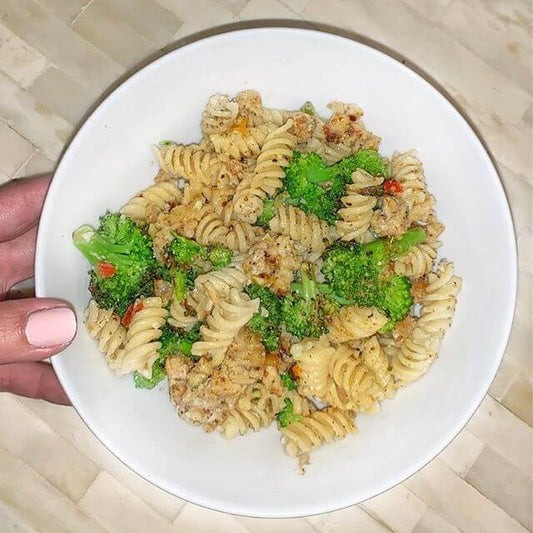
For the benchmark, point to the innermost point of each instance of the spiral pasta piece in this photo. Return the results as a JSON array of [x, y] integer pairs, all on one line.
[[415, 355], [438, 303], [223, 325], [254, 410], [355, 383], [407, 169], [146, 206], [418, 262], [316, 429], [191, 162], [104, 325], [266, 180], [303, 228], [356, 215], [237, 235], [140, 351], [178, 317], [352, 323], [313, 357], [220, 114], [215, 286], [237, 144], [266, 115]]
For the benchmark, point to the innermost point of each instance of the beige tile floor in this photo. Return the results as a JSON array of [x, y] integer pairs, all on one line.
[[56, 59]]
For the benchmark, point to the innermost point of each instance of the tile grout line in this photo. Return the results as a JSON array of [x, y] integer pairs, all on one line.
[[25, 408], [82, 10], [50, 486], [24, 164], [374, 516], [492, 503], [437, 25]]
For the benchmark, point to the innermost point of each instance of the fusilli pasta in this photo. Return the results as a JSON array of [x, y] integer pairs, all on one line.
[[222, 326], [303, 228], [104, 325], [140, 350], [358, 209], [407, 169], [352, 323], [220, 114], [190, 162], [153, 200], [262, 309], [316, 429]]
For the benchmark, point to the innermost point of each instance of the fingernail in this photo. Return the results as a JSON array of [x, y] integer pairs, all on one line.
[[51, 327]]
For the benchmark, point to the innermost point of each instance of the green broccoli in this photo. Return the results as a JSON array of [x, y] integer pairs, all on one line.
[[317, 188], [219, 256], [368, 160], [308, 108], [183, 280], [268, 213], [305, 309], [286, 416], [267, 321], [158, 374], [178, 341], [187, 252], [301, 311], [173, 342], [121, 254], [357, 274], [288, 382]]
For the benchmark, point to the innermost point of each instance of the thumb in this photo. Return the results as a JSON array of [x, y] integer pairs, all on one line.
[[34, 328]]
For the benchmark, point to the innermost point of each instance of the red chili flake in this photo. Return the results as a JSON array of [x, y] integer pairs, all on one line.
[[130, 311], [106, 270], [392, 187]]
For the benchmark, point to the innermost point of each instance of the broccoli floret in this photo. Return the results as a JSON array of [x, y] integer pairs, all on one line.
[[288, 382], [286, 416], [396, 300], [187, 252], [267, 321], [173, 342], [158, 374], [357, 274], [317, 188], [308, 108], [368, 160], [305, 309], [124, 266], [268, 213], [219, 256], [178, 341]]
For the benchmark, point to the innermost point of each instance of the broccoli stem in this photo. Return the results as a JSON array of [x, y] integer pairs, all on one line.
[[389, 249], [97, 248]]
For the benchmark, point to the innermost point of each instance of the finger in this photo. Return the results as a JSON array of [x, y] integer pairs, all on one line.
[[33, 380], [20, 206], [34, 329], [16, 260]]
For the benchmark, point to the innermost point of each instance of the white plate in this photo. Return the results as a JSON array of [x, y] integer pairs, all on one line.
[[111, 158]]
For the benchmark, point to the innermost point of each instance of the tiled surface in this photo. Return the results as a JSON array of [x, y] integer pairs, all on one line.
[[58, 56]]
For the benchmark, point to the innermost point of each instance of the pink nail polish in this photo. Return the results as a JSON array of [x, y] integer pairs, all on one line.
[[51, 327]]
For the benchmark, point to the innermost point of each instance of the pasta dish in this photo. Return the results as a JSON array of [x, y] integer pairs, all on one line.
[[279, 270]]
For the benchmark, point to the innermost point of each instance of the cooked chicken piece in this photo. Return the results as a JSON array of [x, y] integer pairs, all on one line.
[[392, 218], [271, 262], [203, 394]]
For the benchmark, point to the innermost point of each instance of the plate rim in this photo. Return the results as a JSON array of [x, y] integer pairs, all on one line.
[[355, 40]]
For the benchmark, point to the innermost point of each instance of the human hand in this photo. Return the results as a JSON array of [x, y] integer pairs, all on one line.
[[31, 329]]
